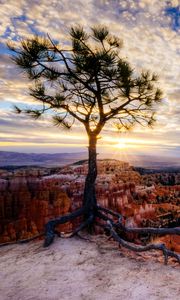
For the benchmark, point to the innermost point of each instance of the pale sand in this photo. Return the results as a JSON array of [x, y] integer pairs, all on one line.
[[74, 269]]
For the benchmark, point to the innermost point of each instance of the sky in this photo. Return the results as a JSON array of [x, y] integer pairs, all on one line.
[[150, 30]]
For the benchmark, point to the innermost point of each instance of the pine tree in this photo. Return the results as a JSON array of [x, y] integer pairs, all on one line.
[[87, 82]]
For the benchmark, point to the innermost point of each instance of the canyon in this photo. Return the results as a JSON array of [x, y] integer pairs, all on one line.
[[30, 197]]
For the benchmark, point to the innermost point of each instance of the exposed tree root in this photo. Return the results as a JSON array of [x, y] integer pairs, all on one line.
[[111, 226], [139, 248], [22, 241], [83, 225], [150, 230], [147, 230], [50, 226], [109, 211], [114, 227]]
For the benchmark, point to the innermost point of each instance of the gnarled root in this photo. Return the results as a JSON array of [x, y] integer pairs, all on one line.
[[147, 230], [50, 226], [139, 248], [23, 241], [114, 225], [83, 225]]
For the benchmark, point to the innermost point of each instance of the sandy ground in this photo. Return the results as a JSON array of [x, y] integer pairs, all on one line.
[[74, 269]]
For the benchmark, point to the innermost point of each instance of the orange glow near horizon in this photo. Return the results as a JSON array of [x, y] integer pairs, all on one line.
[[80, 141], [120, 145]]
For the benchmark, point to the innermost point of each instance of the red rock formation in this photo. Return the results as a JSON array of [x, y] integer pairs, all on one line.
[[27, 203]]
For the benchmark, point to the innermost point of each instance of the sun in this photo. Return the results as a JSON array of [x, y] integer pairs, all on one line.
[[122, 144]]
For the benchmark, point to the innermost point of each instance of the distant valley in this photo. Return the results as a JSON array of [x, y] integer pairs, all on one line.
[[39, 159], [60, 159]]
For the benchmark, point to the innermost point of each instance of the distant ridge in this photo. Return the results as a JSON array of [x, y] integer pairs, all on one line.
[[9, 158], [39, 159]]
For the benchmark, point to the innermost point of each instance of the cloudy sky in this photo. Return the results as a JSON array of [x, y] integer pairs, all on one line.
[[151, 33]]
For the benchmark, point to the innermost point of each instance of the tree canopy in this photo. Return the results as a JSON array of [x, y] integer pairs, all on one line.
[[87, 81]]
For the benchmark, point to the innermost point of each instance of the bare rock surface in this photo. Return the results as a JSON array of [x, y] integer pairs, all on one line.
[[76, 269]]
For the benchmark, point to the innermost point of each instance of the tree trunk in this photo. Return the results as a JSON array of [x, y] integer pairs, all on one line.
[[89, 199]]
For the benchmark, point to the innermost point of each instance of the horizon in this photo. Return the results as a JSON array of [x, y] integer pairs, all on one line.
[[157, 50], [46, 159]]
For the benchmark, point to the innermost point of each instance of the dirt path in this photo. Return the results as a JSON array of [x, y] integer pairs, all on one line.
[[74, 269]]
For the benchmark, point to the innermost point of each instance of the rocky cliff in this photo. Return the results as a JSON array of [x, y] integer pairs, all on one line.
[[28, 202]]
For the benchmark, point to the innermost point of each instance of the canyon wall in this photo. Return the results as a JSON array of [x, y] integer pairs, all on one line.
[[29, 201], [26, 204]]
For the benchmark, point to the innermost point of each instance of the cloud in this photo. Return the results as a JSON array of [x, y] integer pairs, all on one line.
[[149, 28]]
